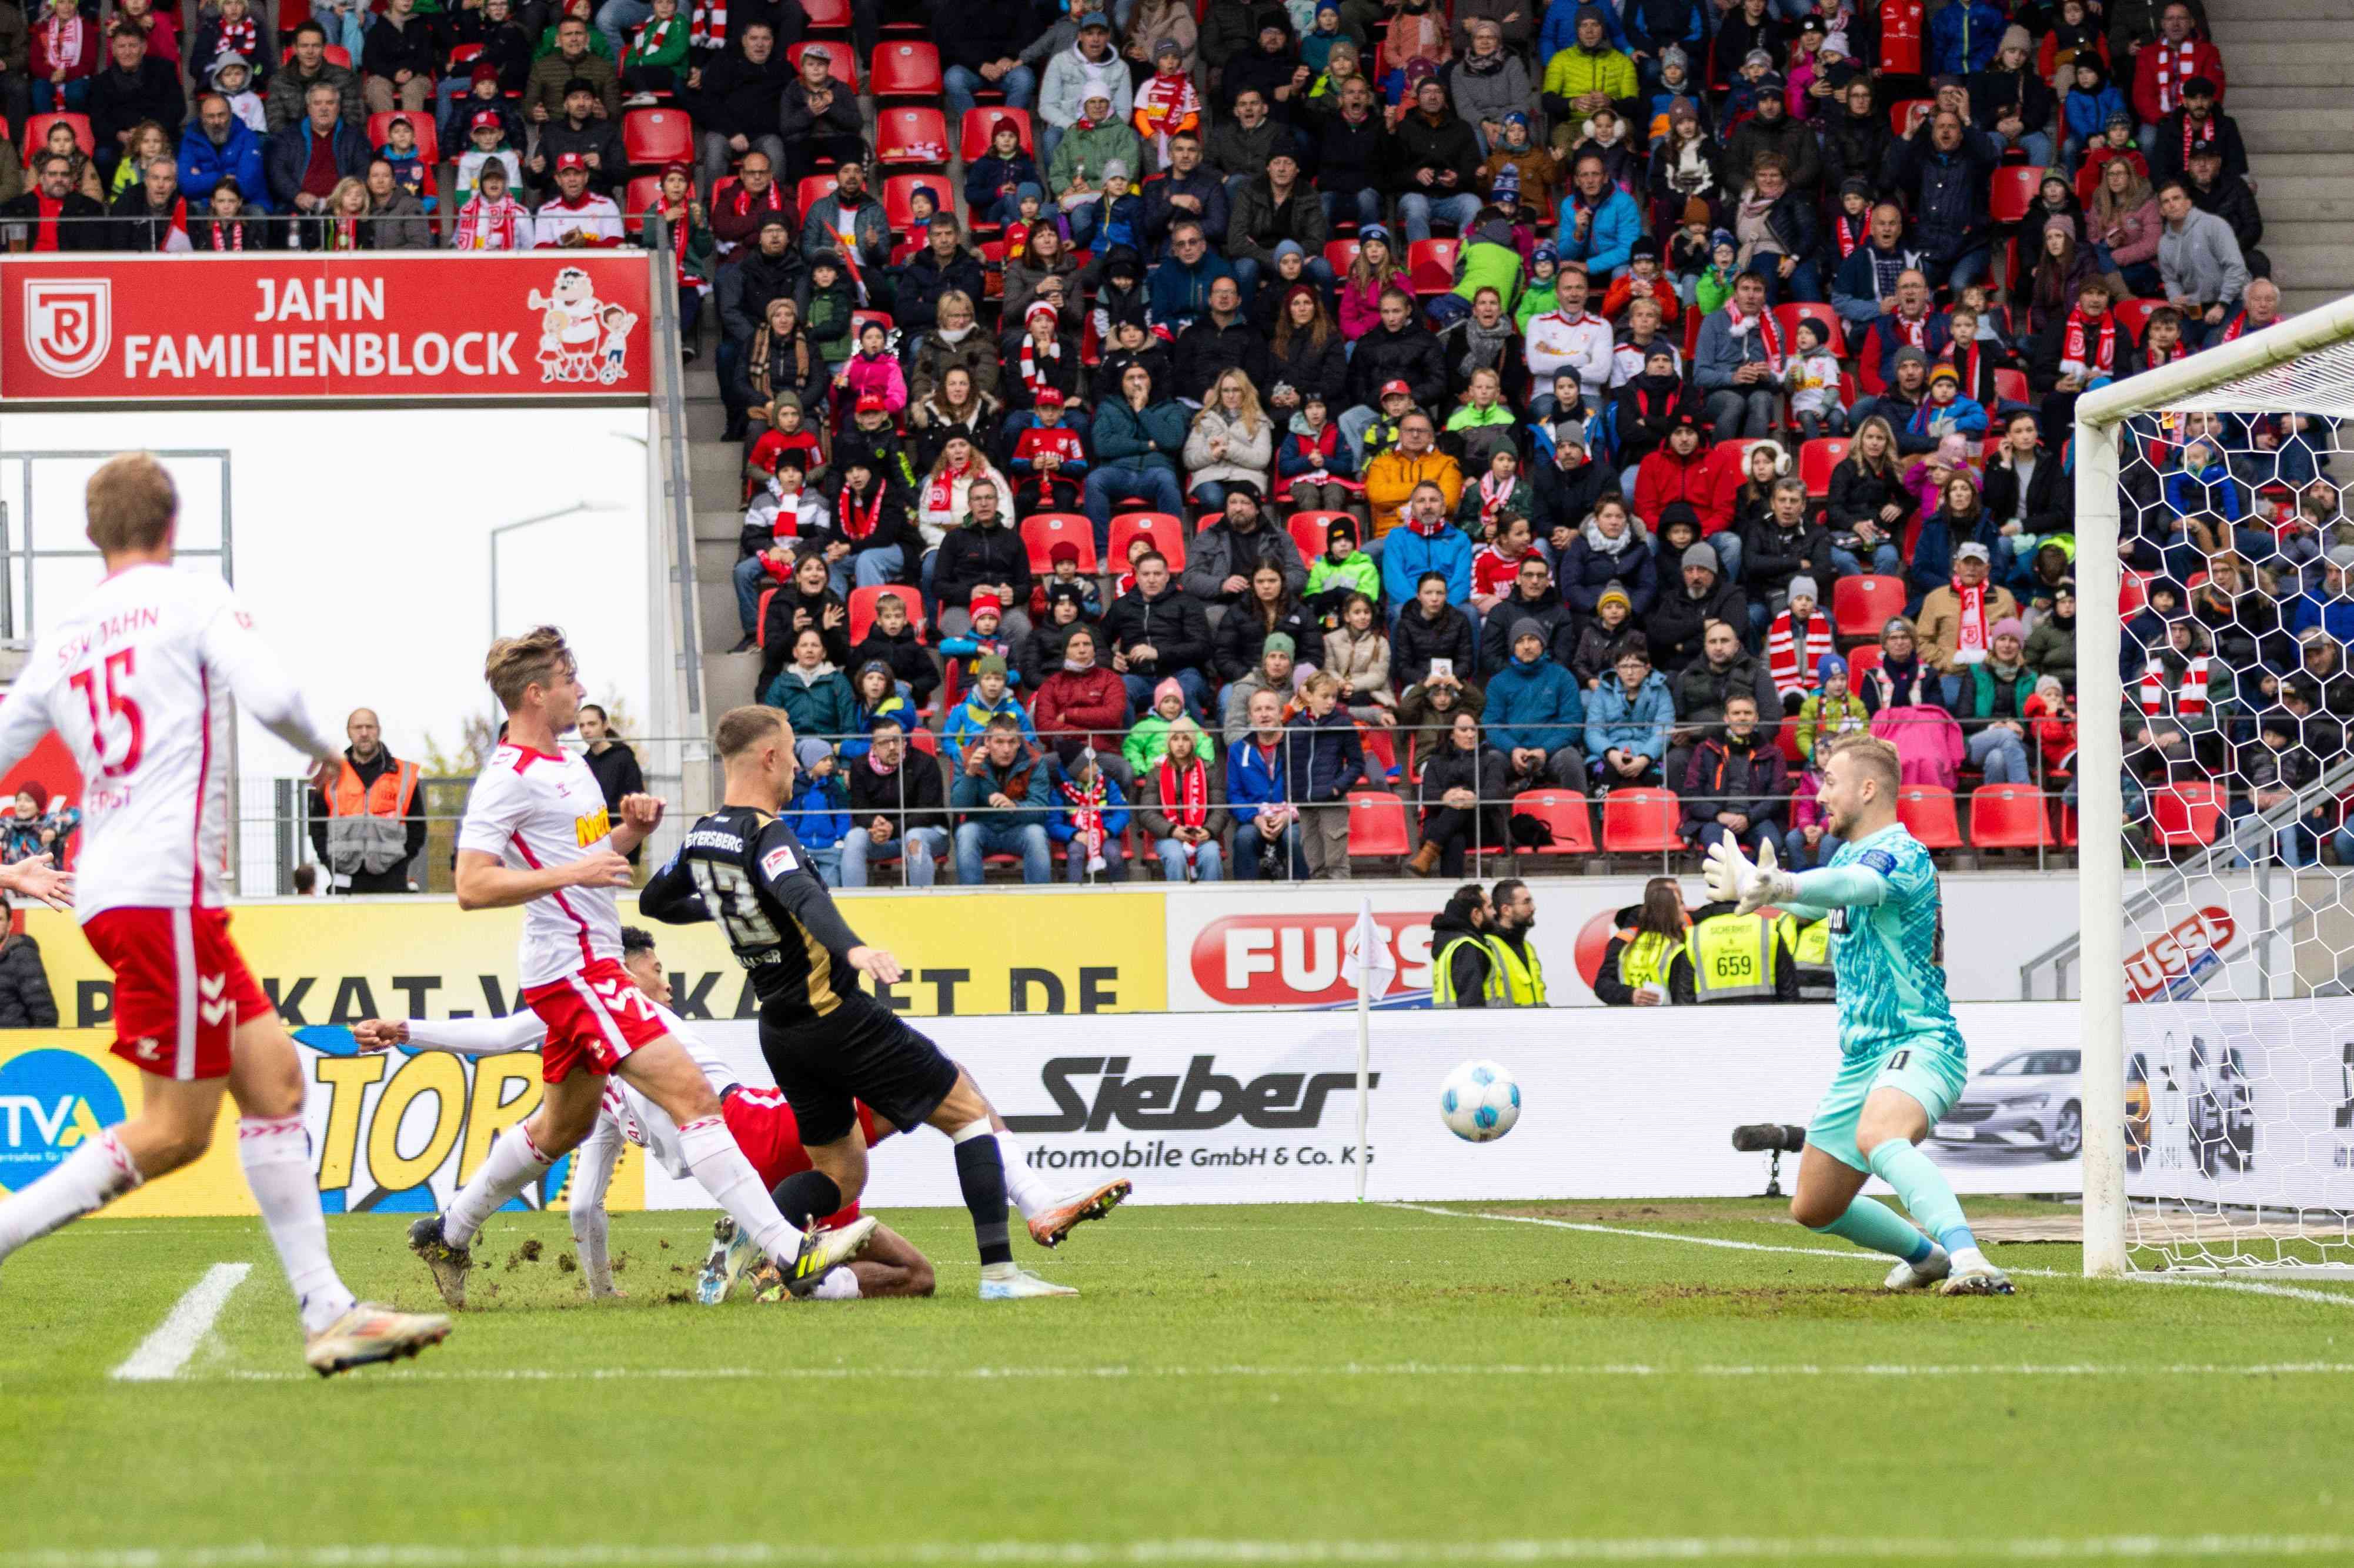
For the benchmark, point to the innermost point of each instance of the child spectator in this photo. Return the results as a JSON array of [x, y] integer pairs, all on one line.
[[1148, 740], [1062, 572], [1115, 218], [492, 219], [874, 699], [1813, 378], [1501, 493], [481, 95], [2051, 716], [828, 307], [1497, 564], [1757, 78], [409, 170], [2090, 104], [486, 135], [1604, 639], [1324, 760], [1166, 104], [993, 183], [1540, 298], [1358, 653], [1182, 811], [986, 698], [894, 640], [1049, 462], [1315, 461], [781, 414], [1641, 280], [1796, 643], [233, 78], [1482, 428], [819, 812], [1088, 816], [229, 29], [871, 376], [784, 520], [1341, 572], [1830, 710], [656, 60], [1809, 844]]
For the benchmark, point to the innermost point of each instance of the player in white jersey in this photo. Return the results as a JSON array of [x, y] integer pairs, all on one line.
[[138, 681], [538, 835]]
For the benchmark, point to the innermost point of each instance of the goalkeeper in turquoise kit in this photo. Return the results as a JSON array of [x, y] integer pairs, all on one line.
[[1902, 1064]]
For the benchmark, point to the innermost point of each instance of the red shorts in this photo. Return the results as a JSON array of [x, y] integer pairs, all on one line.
[[181, 988], [596, 1016], [771, 1139]]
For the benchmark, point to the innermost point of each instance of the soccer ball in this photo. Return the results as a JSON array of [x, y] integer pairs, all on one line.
[[1479, 1102]]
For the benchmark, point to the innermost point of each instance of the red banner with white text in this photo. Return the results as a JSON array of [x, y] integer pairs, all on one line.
[[378, 327]]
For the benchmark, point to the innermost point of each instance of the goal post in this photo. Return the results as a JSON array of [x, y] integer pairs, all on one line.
[[2302, 365]]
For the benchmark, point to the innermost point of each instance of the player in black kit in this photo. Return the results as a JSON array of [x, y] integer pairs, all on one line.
[[827, 1042]]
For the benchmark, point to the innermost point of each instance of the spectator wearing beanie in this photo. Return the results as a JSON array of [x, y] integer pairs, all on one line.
[[1277, 672], [819, 811], [1995, 692], [1832, 709], [1535, 715], [1796, 641], [1679, 621]]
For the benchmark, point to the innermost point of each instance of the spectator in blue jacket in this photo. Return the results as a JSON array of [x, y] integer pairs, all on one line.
[[1427, 543], [2088, 106], [819, 813], [1327, 760], [1611, 547], [1258, 793], [215, 144], [1942, 171], [1964, 36], [1179, 288], [1653, 26], [2331, 609], [1535, 717], [1628, 721], [1948, 410], [1600, 224], [286, 159]]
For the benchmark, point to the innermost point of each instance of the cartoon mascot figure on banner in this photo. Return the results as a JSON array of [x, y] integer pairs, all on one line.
[[580, 338]]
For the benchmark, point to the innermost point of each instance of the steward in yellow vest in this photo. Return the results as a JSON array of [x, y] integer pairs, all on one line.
[[1741, 957]]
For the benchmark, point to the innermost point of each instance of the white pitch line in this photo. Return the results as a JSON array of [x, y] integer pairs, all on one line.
[[1845, 1254], [1182, 1550], [2248, 1287], [163, 1353], [1595, 1370]]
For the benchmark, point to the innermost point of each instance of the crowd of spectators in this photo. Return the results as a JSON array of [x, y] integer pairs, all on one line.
[[1473, 403]]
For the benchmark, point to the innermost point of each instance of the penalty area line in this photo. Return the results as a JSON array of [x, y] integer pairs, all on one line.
[[163, 1353]]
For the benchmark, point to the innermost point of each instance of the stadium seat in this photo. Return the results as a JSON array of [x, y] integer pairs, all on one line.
[[429, 144], [37, 131], [1562, 810], [1926, 812], [652, 138], [1786, 741], [636, 197], [827, 15], [1312, 530], [2006, 816], [906, 68], [1906, 113], [842, 62], [813, 188], [906, 135], [1636, 822], [2133, 315], [1044, 530], [1377, 824], [1381, 751], [924, 741], [1732, 456], [1787, 316], [1166, 531], [1861, 605], [1340, 255], [2186, 813], [2133, 590], [899, 199], [861, 609], [1816, 459], [2010, 386], [993, 269], [973, 132], [2012, 193], [1430, 265], [1861, 660], [858, 320]]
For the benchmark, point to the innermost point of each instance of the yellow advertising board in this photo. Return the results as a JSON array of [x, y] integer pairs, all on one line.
[[336, 961]]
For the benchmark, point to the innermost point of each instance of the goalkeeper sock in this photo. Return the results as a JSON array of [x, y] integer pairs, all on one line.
[[1869, 1222], [1030, 1192], [1927, 1195]]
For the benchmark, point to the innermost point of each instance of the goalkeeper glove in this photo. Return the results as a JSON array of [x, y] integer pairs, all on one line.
[[1729, 877]]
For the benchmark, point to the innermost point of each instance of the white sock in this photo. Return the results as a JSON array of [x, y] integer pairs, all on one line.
[[1001, 1270], [1030, 1192], [838, 1285], [588, 1241], [276, 1154], [89, 1179], [711, 1153], [1969, 1258], [514, 1163]]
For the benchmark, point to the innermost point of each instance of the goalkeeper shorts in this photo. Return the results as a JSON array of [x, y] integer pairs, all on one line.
[[1931, 1073]]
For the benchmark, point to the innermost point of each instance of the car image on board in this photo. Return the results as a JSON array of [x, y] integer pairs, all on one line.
[[2030, 1100]]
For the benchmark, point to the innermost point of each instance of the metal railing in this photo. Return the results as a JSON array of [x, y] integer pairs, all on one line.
[[265, 232]]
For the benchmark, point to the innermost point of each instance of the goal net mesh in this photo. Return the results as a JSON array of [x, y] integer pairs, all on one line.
[[2238, 726]]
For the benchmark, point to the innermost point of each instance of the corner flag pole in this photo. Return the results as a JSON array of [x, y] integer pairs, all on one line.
[[1367, 961]]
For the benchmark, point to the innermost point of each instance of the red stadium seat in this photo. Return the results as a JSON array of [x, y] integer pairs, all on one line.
[[37, 131], [1636, 822], [2133, 590], [2186, 813], [1340, 255], [1040, 532], [1787, 316], [636, 197], [861, 609], [973, 133], [1926, 811], [2133, 315], [429, 144], [993, 269], [2010, 386], [2011, 193], [1861, 660], [1860, 606], [1816, 459], [813, 188], [899, 199], [1377, 824], [924, 741], [761, 620], [1312, 530], [842, 61], [1167, 533], [827, 15], [2006, 816], [1562, 810], [656, 137], [906, 135], [1430, 265], [1906, 113], [906, 68]]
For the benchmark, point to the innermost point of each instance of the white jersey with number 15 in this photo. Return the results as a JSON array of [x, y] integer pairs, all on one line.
[[137, 681]]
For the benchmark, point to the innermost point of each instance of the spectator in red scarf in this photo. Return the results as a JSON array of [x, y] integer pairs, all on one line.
[[1184, 809], [59, 217]]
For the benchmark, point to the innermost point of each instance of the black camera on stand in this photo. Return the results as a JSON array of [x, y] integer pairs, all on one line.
[[1774, 1139]]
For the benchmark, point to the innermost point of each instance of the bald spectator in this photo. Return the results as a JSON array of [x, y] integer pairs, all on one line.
[[368, 822]]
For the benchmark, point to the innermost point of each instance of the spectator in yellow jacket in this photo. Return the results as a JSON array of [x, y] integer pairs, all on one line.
[[1391, 478], [1589, 75]]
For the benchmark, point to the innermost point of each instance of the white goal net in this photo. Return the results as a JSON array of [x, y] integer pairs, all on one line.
[[2215, 562]]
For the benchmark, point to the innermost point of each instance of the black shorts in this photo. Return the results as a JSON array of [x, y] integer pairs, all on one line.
[[863, 1051]]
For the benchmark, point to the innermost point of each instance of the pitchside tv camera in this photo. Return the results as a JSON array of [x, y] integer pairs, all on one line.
[[1773, 1139]]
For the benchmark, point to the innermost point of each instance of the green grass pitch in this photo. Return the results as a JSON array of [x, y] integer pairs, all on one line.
[[1299, 1384]]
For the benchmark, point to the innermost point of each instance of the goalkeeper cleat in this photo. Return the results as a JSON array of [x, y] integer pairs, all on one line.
[[1049, 1228], [732, 1253], [822, 1251], [1979, 1279], [1020, 1286], [370, 1333], [449, 1264], [1921, 1275]]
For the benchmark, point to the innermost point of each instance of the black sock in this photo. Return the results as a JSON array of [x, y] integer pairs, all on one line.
[[981, 1173], [810, 1195]]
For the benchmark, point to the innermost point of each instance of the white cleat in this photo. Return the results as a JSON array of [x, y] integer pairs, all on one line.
[[732, 1253], [1920, 1275], [1981, 1279], [1020, 1286]]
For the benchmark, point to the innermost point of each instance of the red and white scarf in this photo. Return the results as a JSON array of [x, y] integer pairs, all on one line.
[[707, 27], [2102, 359], [1033, 376], [652, 37], [2196, 133], [1970, 641], [1914, 330], [2189, 696], [486, 225], [687, 277], [1492, 496], [940, 495], [62, 37], [45, 230], [1185, 798], [2177, 63], [1850, 232], [1768, 332], [859, 522], [243, 37], [1793, 668], [1088, 814], [228, 236]]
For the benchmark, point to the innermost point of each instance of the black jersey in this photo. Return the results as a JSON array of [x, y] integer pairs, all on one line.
[[746, 870]]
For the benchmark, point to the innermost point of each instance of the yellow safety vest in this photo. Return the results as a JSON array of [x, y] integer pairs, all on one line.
[[1646, 958], [1732, 957], [1813, 947], [1523, 978], [1442, 975]]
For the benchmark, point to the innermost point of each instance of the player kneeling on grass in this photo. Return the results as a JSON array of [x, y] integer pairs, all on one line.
[[1902, 1063], [828, 1043]]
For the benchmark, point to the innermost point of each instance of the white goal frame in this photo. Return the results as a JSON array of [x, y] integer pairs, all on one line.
[[2231, 377]]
